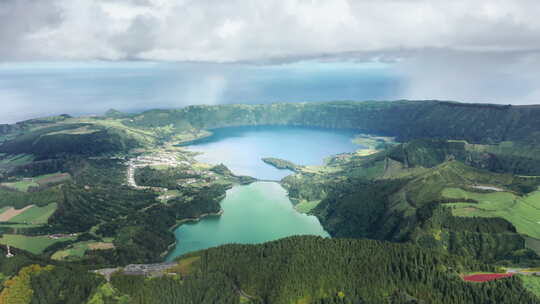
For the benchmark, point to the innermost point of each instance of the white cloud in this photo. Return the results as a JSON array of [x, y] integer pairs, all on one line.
[[239, 30], [230, 28], [482, 50], [503, 77]]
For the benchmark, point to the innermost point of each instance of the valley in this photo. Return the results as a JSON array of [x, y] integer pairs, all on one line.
[[436, 202]]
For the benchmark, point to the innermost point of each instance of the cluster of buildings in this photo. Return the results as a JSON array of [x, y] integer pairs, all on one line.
[[60, 236], [167, 160], [161, 159], [149, 270]]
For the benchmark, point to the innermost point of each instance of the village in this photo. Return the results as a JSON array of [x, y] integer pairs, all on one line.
[[164, 159]]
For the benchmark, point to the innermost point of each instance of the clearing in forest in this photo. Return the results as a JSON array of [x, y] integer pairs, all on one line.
[[33, 244], [38, 181], [35, 215], [78, 250], [10, 212], [522, 211], [484, 277]]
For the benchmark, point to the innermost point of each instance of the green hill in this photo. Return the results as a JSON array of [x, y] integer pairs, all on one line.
[[292, 270], [456, 194], [398, 195], [476, 123]]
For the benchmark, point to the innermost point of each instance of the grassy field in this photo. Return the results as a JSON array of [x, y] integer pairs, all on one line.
[[33, 244], [37, 181], [372, 142], [532, 283], [306, 206], [319, 169], [21, 185], [522, 211], [51, 178], [144, 136], [16, 160], [77, 131], [35, 215], [18, 225], [77, 250], [533, 244]]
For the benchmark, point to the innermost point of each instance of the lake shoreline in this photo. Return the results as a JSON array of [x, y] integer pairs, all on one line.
[[245, 151], [187, 220], [254, 213]]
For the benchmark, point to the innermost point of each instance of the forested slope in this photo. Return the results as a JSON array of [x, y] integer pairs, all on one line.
[[397, 195], [477, 123], [393, 195], [317, 270], [406, 120], [292, 270]]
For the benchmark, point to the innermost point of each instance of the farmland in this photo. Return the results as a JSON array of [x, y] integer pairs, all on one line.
[[7, 213], [22, 186], [35, 214], [305, 206], [484, 277], [77, 250], [15, 160], [532, 283], [33, 244], [43, 180], [51, 178], [522, 211]]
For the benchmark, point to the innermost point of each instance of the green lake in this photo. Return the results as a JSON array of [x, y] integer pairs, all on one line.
[[255, 213]]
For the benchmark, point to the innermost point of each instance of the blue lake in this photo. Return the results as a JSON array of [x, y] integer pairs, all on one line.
[[242, 148]]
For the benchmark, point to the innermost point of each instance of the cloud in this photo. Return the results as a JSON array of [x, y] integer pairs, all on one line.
[[482, 51], [236, 30], [28, 90], [19, 20], [485, 77]]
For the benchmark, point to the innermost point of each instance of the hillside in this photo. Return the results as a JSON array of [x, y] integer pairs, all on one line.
[[476, 123], [316, 270], [399, 194], [405, 120], [443, 189]]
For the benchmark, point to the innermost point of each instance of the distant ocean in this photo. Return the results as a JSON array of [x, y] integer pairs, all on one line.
[[33, 89]]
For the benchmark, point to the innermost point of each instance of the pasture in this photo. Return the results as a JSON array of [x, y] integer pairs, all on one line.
[[22, 186], [522, 211], [42, 180], [532, 283], [8, 213], [77, 250], [35, 215], [305, 206], [33, 244]]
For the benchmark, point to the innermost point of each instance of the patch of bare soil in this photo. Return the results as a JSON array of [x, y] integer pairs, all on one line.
[[101, 246], [12, 212]]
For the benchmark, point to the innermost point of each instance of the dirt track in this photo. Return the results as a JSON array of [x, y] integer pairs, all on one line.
[[12, 212]]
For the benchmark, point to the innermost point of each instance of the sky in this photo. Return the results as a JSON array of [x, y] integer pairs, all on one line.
[[85, 56]]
